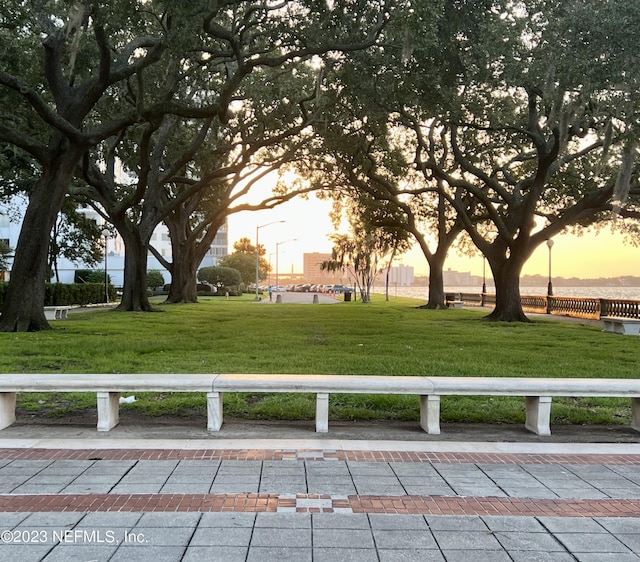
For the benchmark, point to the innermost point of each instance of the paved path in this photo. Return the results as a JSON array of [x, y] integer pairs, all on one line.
[[301, 298], [246, 500]]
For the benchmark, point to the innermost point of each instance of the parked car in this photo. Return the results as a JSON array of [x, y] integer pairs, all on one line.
[[339, 289]]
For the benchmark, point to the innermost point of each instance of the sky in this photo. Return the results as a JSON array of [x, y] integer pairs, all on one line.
[[307, 226]]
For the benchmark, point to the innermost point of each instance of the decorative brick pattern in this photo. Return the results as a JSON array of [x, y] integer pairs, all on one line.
[[314, 503], [282, 454]]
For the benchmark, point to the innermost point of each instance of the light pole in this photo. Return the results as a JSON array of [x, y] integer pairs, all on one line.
[[277, 246], [484, 281], [550, 284], [258, 254], [484, 275], [105, 233]]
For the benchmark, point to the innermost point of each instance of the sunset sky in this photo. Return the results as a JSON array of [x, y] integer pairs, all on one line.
[[591, 255]]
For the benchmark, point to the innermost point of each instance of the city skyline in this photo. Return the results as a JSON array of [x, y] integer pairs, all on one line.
[[307, 225]]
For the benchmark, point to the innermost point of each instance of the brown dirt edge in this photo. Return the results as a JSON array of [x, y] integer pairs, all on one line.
[[137, 425]]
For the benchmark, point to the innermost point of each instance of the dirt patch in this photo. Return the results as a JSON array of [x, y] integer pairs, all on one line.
[[136, 425]]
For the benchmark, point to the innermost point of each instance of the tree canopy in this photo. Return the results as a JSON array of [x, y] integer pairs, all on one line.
[[243, 259], [82, 81], [514, 121]]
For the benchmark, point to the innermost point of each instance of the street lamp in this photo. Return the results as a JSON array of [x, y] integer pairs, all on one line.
[[105, 233], [550, 285], [484, 281], [277, 246], [484, 275], [258, 254]]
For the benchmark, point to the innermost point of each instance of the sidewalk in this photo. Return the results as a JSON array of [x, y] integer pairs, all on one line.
[[321, 500]]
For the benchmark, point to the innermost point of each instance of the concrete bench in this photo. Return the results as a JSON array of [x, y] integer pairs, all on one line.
[[56, 312], [620, 325], [537, 392], [322, 386], [108, 388]]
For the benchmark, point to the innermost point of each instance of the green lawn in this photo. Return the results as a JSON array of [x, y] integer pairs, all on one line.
[[382, 338]]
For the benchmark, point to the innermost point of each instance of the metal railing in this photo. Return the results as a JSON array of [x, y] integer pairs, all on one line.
[[579, 307]]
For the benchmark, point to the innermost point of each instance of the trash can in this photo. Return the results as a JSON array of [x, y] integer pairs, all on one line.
[[347, 296]]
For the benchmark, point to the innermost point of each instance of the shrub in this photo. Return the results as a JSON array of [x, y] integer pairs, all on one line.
[[154, 279], [223, 278], [59, 294], [90, 276]]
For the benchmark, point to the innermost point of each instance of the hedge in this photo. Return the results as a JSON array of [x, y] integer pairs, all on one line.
[[58, 294]]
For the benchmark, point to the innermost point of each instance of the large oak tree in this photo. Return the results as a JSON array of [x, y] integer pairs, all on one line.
[[94, 85], [57, 62]]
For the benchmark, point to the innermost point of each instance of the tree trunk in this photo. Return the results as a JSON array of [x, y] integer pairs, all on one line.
[[183, 278], [23, 309], [508, 303], [437, 297], [187, 251], [134, 292]]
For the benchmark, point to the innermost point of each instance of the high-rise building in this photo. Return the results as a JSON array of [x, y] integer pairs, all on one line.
[[401, 275]]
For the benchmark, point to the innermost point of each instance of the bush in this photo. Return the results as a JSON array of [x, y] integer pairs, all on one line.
[[154, 279], [220, 276], [223, 278], [66, 294], [89, 276]]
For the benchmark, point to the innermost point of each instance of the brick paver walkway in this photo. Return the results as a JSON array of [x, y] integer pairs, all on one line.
[[307, 504]]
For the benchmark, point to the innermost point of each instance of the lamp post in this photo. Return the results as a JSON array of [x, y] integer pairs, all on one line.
[[484, 281], [550, 284], [105, 233], [277, 246], [258, 254], [484, 275]]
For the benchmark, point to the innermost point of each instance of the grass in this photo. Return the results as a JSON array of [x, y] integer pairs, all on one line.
[[382, 338]]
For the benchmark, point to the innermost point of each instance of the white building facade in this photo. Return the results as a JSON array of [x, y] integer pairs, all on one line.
[[114, 259]]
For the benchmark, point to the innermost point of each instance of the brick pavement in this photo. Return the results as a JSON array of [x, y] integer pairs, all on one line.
[[137, 503]]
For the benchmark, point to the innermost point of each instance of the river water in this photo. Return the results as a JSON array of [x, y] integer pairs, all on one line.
[[630, 293]]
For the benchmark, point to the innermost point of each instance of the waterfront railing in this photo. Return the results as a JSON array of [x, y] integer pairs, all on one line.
[[579, 307]]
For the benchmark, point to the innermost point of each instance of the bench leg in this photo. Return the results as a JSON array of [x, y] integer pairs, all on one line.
[[7, 409], [635, 414], [538, 411], [322, 412], [214, 411], [631, 330], [430, 414], [108, 410]]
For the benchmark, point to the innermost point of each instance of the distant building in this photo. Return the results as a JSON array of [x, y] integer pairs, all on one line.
[[401, 276], [457, 278], [314, 274]]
